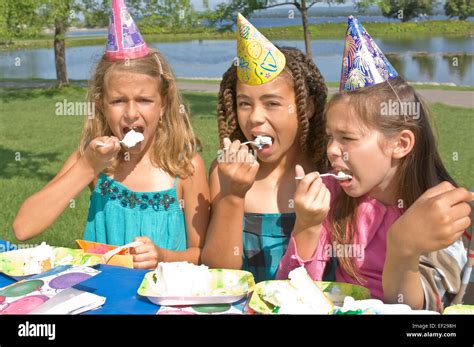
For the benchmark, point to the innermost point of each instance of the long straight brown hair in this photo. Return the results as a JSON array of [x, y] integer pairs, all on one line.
[[418, 171]]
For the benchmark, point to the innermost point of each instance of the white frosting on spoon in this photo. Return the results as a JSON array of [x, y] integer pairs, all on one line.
[[341, 176], [261, 141], [132, 138]]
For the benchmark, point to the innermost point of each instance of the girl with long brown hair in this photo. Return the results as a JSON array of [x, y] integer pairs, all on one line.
[[395, 226]]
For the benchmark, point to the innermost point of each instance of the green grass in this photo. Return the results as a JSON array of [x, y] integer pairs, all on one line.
[[30, 129], [455, 129], [47, 42], [295, 32], [407, 30], [203, 80], [420, 86]]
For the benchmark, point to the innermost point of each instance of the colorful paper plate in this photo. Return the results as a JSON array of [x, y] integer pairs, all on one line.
[[459, 309], [228, 286], [336, 291], [123, 258], [13, 263]]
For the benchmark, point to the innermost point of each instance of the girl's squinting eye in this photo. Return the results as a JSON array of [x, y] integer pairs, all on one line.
[[273, 104], [243, 104], [116, 101]]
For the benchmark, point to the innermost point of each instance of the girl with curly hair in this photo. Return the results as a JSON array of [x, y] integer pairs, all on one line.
[[278, 94]]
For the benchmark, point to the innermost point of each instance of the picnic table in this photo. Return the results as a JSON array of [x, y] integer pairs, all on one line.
[[119, 286]]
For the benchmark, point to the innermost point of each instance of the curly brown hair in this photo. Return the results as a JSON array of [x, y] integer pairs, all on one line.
[[310, 98]]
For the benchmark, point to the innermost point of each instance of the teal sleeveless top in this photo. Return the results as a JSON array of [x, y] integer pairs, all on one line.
[[117, 215], [265, 240]]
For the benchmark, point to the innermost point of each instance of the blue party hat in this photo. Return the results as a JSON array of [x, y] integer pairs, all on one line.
[[363, 63]]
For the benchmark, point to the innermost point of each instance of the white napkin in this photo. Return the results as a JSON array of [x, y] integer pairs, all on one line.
[[70, 301]]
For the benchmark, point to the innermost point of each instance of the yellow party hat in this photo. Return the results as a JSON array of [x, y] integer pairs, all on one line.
[[259, 60]]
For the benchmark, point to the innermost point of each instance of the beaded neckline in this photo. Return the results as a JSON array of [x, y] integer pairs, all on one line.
[[131, 199]]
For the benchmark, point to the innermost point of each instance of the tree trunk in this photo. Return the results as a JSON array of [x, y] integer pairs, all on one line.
[[60, 51], [307, 39]]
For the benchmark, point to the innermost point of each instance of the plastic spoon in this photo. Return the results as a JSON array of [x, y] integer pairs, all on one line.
[[130, 140], [260, 141], [341, 176]]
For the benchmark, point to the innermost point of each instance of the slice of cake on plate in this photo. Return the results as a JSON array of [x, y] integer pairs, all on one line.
[[299, 295], [38, 259], [181, 279]]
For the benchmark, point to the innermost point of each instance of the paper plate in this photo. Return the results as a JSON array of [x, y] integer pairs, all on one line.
[[336, 291], [228, 286], [13, 263], [123, 258], [459, 309]]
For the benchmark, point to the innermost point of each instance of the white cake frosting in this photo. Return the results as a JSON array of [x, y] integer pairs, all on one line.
[[38, 259], [375, 306], [261, 141], [132, 138], [182, 279], [342, 176], [300, 295]]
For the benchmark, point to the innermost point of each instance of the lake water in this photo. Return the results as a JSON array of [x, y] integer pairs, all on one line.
[[436, 59], [270, 22]]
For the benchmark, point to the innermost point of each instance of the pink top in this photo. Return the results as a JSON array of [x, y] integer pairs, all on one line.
[[373, 219]]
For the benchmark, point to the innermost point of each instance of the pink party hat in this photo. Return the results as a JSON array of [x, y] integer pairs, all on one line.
[[363, 63], [124, 40]]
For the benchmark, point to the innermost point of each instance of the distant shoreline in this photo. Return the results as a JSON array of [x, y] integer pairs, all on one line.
[[446, 28]]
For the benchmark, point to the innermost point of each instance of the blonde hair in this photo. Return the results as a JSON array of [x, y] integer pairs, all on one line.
[[418, 171], [174, 144]]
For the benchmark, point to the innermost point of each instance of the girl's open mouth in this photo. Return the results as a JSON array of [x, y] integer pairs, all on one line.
[[262, 142], [132, 136], [138, 129], [347, 182]]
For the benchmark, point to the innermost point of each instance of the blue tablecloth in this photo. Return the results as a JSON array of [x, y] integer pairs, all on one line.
[[5, 280], [119, 285], [6, 246]]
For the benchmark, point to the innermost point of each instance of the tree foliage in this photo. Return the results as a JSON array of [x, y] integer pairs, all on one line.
[[405, 10], [459, 8]]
